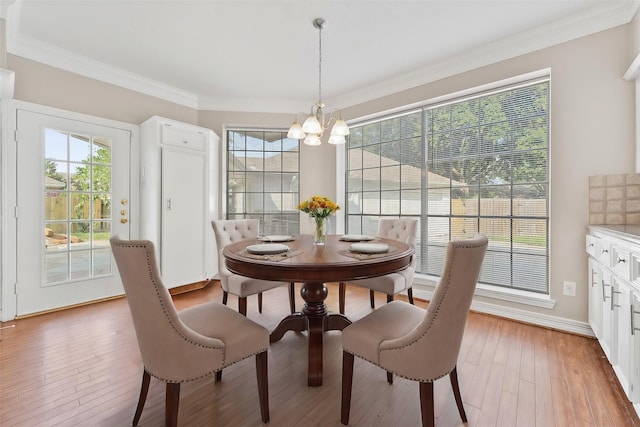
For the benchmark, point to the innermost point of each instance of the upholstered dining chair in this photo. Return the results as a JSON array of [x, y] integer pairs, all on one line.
[[417, 344], [404, 230], [233, 230], [178, 347]]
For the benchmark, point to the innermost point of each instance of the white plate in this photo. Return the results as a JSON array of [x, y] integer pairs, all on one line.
[[276, 238], [267, 249], [356, 238], [369, 248]]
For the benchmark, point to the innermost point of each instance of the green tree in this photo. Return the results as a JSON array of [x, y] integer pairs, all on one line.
[[51, 170], [93, 181]]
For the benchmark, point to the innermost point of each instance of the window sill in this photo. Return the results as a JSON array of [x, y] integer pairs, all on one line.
[[427, 283]]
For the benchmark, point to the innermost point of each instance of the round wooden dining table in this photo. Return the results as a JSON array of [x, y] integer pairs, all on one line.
[[313, 266]]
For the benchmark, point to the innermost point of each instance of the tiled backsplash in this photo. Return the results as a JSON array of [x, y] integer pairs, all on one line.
[[614, 199]]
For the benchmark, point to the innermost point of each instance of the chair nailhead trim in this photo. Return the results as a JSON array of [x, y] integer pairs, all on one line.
[[164, 309], [435, 316]]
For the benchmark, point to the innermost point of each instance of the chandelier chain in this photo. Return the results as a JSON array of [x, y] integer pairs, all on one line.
[[320, 66]]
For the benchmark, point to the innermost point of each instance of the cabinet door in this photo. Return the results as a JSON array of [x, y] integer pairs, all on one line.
[[184, 220], [621, 302], [607, 332], [634, 388], [595, 297]]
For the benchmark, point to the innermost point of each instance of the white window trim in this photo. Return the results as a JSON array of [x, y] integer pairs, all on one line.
[[425, 283]]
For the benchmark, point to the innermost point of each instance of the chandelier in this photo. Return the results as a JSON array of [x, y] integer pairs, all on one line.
[[314, 125]]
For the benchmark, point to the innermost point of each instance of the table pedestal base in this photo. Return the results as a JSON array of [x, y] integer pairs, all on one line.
[[316, 319]]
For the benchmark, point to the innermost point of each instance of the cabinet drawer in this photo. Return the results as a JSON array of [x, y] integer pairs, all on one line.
[[603, 252], [592, 243], [621, 262], [184, 138]]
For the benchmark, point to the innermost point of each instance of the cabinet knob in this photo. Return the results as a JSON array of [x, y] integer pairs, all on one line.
[[124, 220], [621, 260]]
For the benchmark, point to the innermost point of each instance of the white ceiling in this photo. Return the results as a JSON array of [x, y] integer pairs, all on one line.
[[262, 55]]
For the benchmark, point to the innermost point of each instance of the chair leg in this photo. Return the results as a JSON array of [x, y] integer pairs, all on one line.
[[342, 293], [372, 299], [263, 385], [242, 306], [347, 380], [426, 404], [292, 297], [453, 376], [389, 298], [389, 377], [218, 376], [144, 389], [259, 303], [410, 295], [225, 296], [172, 400]]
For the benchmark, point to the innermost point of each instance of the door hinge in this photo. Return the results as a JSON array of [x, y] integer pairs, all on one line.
[[15, 135], [15, 212]]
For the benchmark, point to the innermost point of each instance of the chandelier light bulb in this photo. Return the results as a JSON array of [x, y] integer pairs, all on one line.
[[295, 131], [312, 125], [337, 139], [340, 128], [312, 139]]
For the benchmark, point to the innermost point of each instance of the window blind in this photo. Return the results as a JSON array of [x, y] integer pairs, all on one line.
[[477, 164]]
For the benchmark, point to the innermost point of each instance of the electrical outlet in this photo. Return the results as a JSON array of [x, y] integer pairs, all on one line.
[[569, 288]]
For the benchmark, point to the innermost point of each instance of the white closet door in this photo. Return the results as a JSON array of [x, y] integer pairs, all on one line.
[[184, 218]]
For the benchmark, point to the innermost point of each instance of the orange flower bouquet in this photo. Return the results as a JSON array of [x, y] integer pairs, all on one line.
[[319, 208]]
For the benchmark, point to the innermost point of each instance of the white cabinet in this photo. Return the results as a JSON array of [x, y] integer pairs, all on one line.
[[614, 300], [179, 198]]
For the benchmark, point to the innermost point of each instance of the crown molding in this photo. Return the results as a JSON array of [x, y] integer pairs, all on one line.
[[607, 16], [554, 33], [65, 60]]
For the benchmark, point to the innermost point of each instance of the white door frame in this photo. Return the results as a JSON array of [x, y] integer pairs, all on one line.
[[8, 183]]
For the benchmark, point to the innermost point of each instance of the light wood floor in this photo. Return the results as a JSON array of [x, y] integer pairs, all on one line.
[[81, 367]]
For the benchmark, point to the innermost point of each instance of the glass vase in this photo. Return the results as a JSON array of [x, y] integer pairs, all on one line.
[[319, 231]]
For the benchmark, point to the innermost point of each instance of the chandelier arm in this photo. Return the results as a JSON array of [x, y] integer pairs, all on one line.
[[304, 115], [338, 114]]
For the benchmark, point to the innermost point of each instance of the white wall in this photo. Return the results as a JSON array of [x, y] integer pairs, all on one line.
[[592, 133]]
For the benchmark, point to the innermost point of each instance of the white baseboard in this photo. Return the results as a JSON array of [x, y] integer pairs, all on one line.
[[544, 320]]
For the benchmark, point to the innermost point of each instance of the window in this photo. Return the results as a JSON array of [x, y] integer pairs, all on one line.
[[478, 164], [77, 206], [263, 168]]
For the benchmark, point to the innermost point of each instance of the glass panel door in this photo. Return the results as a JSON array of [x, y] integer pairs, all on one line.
[[73, 194]]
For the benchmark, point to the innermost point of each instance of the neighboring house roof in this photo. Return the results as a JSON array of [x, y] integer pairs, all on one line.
[[53, 183], [410, 174]]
